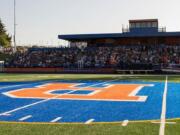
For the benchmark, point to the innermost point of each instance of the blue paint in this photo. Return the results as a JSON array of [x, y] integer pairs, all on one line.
[[79, 92], [83, 92], [60, 91], [173, 100], [101, 111]]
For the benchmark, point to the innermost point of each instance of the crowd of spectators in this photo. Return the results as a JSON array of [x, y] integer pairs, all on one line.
[[121, 57]]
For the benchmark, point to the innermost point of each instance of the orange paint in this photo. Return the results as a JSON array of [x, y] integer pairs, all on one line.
[[116, 92]]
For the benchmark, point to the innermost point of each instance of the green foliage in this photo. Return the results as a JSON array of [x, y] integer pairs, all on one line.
[[4, 56], [5, 39]]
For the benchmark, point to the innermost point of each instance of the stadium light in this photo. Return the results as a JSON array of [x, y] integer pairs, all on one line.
[[14, 26]]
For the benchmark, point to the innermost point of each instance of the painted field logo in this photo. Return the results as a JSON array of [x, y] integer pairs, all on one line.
[[111, 92]]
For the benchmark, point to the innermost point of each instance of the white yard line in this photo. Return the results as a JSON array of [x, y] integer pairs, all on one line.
[[163, 113], [56, 119], [25, 117], [45, 100], [89, 121], [22, 107], [11, 86]]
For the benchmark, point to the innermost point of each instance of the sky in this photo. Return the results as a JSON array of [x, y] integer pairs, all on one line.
[[41, 21]]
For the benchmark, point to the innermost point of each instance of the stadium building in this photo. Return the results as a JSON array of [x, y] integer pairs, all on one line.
[[144, 47], [140, 32]]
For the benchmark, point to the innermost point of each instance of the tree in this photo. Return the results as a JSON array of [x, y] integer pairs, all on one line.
[[5, 39]]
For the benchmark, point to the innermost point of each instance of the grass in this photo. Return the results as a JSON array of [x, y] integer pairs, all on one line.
[[173, 129], [133, 128], [38, 77], [80, 129]]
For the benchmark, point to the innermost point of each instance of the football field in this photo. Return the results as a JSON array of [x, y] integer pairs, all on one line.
[[89, 104]]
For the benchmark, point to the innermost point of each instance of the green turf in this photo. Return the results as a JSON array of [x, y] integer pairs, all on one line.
[[145, 128], [134, 128], [173, 129], [139, 128], [38, 77]]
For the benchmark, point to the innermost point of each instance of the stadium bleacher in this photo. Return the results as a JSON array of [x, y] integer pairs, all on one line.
[[129, 57]]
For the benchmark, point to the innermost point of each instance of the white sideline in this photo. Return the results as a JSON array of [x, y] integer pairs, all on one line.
[[163, 113], [45, 100], [25, 117], [11, 86], [165, 123]]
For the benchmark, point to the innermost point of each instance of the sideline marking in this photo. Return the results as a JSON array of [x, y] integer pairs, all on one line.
[[56, 119], [25, 117], [125, 123], [163, 113], [45, 100], [89, 121], [165, 122]]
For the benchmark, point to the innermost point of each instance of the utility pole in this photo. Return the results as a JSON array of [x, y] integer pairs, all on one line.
[[14, 26]]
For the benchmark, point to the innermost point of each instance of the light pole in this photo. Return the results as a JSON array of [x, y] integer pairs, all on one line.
[[14, 26]]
